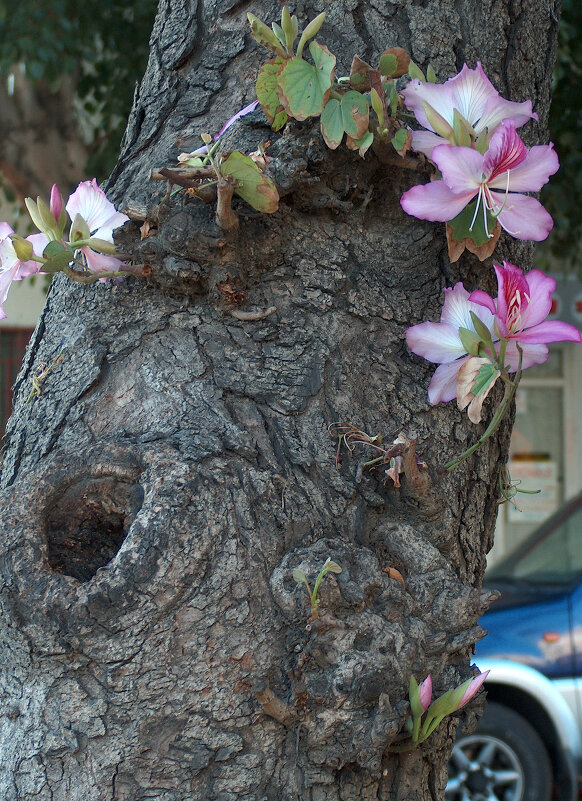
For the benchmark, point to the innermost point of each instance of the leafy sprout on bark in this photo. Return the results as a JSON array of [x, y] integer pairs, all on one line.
[[329, 566]]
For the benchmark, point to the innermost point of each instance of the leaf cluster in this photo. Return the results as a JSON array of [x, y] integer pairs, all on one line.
[[361, 106]]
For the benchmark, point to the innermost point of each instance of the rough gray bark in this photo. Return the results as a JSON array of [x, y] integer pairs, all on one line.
[[177, 465]]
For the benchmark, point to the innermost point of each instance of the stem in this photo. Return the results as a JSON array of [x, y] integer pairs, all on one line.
[[510, 389], [91, 278]]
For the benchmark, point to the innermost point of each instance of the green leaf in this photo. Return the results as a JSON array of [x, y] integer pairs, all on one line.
[[416, 72], [299, 576], [460, 225], [280, 120], [58, 257], [289, 29], [265, 36], [364, 143], [268, 93], [377, 105], [388, 64], [486, 376], [399, 139], [332, 124], [392, 95], [54, 249], [470, 341], [355, 113], [303, 88], [430, 74], [279, 33], [310, 31], [349, 114], [255, 188]]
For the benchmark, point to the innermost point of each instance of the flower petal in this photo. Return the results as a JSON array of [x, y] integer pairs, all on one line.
[[513, 294], [100, 262], [533, 172], [5, 230], [457, 309], [435, 342], [523, 217], [462, 167], [532, 354], [443, 385], [435, 201], [425, 141], [506, 152], [483, 299], [90, 201], [246, 110], [499, 109], [6, 279], [549, 331], [540, 289]]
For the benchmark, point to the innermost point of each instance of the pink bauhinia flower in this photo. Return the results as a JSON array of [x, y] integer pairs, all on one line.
[[472, 95], [89, 203], [522, 305], [12, 268], [496, 179], [441, 342]]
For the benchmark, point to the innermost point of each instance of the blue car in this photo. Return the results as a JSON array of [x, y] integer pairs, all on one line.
[[528, 744]]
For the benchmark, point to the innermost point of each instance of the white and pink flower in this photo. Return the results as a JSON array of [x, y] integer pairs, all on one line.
[[472, 95], [497, 179], [90, 203], [12, 268]]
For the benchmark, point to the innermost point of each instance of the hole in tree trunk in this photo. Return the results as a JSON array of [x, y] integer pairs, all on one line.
[[86, 525]]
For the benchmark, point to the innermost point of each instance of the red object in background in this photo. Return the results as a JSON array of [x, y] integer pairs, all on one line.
[[13, 342]]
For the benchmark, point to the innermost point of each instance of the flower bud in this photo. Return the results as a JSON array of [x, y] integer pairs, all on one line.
[[56, 203], [79, 230], [438, 123], [22, 247]]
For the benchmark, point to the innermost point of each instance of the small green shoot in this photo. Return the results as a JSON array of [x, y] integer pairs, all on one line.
[[300, 577]]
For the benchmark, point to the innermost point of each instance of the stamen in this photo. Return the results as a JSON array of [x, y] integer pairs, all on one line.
[[487, 234], [477, 207], [497, 213]]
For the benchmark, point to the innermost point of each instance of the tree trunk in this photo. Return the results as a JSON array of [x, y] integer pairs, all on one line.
[[177, 465]]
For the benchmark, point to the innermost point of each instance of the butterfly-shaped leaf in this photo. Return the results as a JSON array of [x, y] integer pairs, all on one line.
[[304, 88], [250, 183]]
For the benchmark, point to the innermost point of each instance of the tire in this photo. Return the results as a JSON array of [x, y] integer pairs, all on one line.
[[504, 760]]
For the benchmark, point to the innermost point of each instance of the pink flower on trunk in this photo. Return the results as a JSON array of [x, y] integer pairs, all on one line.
[[496, 179], [11, 267], [441, 342], [473, 95], [91, 204], [522, 305]]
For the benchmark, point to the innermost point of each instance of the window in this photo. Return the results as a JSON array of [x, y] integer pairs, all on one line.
[[13, 342]]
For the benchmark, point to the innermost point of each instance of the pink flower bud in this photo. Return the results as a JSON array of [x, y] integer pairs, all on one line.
[[56, 202], [426, 692], [473, 688]]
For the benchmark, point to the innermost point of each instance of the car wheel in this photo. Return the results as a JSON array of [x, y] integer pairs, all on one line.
[[504, 760]]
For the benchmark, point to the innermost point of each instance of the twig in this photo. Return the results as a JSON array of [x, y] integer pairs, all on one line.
[[250, 316]]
